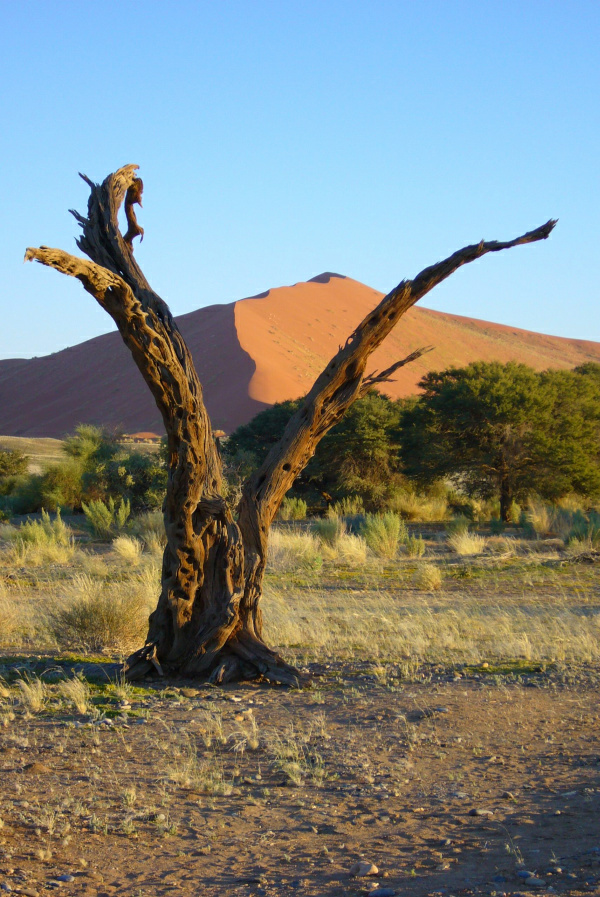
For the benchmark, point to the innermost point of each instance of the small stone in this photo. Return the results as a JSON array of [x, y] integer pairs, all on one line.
[[5, 886], [441, 710], [28, 892], [382, 892], [535, 882], [65, 877], [508, 795], [523, 873], [461, 795], [476, 811], [362, 869]]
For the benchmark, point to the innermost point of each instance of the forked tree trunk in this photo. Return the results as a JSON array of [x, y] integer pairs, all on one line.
[[208, 619]]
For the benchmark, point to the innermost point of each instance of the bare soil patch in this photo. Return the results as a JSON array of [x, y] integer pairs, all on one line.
[[456, 782]]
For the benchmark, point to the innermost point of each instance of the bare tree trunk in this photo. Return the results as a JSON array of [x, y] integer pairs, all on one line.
[[208, 620]]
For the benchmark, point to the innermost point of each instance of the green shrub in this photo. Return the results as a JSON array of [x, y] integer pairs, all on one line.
[[329, 529], [415, 546], [383, 533], [12, 463], [458, 525], [349, 506], [585, 529], [293, 509], [61, 486], [45, 531], [107, 519], [44, 541]]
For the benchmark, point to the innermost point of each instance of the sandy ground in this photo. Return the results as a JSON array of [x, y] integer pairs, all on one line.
[[459, 782]]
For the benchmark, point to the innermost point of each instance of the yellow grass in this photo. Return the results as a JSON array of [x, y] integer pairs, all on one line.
[[40, 451], [430, 627]]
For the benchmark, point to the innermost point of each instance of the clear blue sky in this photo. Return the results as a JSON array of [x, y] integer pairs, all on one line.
[[280, 139]]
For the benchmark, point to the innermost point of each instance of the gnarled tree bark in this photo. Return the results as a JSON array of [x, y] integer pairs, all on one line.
[[208, 619]]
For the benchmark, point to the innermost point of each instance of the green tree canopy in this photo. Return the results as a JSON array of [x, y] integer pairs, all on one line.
[[505, 430], [359, 456]]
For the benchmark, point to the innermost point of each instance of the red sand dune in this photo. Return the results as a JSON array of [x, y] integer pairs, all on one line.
[[252, 353]]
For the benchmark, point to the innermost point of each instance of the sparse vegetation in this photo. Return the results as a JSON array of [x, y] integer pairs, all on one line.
[[383, 533], [107, 519], [466, 543], [293, 509]]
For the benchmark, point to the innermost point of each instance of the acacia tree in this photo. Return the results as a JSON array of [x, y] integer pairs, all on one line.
[[507, 431], [208, 620]]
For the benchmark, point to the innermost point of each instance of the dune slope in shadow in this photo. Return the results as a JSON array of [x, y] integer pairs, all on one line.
[[252, 353]]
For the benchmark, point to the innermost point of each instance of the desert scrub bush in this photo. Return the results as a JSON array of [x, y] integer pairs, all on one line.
[[585, 529], [458, 524], [106, 519], [418, 507], [349, 506], [291, 550], [383, 533], [129, 549], [44, 541], [466, 543], [97, 616], [415, 546], [293, 509], [428, 577], [329, 529], [45, 531]]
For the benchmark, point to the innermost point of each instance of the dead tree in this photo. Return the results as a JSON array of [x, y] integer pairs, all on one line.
[[208, 620]]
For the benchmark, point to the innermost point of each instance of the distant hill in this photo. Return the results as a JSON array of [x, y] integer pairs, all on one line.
[[254, 352]]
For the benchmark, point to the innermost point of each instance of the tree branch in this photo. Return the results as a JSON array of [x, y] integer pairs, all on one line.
[[386, 376], [145, 322], [341, 383]]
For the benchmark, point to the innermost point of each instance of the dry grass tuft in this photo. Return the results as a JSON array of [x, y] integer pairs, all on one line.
[[10, 617], [129, 549], [76, 692], [348, 551], [466, 543], [32, 694], [291, 550], [428, 577], [97, 616]]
